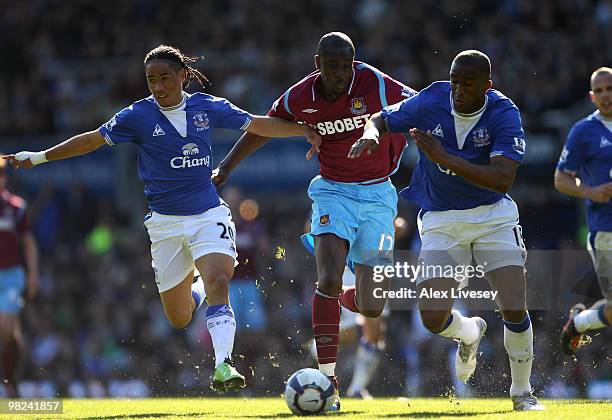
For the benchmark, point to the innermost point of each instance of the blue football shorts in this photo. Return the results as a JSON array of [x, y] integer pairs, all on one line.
[[361, 214], [12, 285]]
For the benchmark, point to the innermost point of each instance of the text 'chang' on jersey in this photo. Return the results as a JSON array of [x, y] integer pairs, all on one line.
[[341, 122], [495, 131], [174, 148]]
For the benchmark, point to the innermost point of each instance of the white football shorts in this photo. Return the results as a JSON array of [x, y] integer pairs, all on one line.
[[491, 234], [599, 245], [177, 241]]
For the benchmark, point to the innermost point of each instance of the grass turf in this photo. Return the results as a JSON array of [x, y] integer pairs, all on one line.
[[265, 408]]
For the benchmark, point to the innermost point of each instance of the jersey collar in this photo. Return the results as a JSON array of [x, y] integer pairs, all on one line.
[[180, 105], [602, 118], [314, 83]]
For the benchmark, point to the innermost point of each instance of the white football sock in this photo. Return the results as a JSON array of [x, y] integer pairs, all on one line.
[[366, 361], [198, 293], [328, 369], [222, 327], [519, 347], [588, 320], [461, 327]]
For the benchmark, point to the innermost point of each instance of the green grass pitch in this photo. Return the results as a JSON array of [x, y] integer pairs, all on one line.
[[266, 408]]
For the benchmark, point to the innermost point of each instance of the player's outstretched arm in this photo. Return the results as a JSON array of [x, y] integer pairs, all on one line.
[[569, 184], [498, 175], [246, 145], [75, 146], [374, 129], [278, 127]]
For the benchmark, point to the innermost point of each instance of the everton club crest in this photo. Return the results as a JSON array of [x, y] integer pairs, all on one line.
[[480, 137]]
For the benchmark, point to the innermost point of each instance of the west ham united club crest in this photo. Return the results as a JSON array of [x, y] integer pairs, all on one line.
[[200, 120], [358, 106], [481, 137]]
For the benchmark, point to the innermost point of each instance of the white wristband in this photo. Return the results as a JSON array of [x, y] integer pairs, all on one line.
[[35, 157]]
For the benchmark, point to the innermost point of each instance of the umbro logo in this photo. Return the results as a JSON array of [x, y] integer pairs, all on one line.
[[310, 110], [604, 142], [158, 131], [438, 131], [324, 340]]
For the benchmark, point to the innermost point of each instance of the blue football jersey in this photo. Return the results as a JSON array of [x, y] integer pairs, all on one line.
[[588, 153], [498, 132], [174, 148]]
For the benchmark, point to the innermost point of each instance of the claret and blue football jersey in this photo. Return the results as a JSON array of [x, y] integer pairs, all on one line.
[[495, 130], [174, 148], [588, 153]]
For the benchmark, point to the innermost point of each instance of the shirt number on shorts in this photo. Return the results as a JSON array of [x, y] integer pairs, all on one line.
[[518, 235], [226, 230]]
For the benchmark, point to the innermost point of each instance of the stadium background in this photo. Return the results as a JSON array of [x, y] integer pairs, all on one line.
[[97, 327]]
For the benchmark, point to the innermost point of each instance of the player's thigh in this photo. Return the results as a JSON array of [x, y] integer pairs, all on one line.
[[600, 247], [177, 302], [335, 209], [171, 258], [442, 256], [9, 326], [375, 237], [330, 255]]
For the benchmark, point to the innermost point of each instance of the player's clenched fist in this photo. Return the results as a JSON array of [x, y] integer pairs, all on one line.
[[25, 159]]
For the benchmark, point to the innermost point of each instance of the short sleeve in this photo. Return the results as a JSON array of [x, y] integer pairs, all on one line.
[[230, 116], [397, 91], [402, 116], [508, 136], [280, 108], [121, 128], [574, 152]]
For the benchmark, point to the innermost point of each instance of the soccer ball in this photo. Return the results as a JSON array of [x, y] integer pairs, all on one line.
[[308, 391]]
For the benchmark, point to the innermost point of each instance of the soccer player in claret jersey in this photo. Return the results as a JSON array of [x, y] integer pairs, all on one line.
[[470, 141], [190, 227], [16, 240], [587, 158], [354, 202]]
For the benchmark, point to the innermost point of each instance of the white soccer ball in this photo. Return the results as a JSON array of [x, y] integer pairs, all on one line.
[[308, 392]]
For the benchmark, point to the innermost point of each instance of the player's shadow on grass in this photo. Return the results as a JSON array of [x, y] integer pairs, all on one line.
[[426, 414], [147, 415], [286, 415]]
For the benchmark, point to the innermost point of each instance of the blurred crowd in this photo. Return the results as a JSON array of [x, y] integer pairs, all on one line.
[[97, 328], [87, 56]]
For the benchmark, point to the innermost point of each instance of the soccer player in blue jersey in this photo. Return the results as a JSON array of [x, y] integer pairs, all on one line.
[[190, 227], [470, 141], [585, 170]]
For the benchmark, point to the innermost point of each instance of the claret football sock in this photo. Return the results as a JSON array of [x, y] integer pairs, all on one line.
[[348, 299], [326, 327]]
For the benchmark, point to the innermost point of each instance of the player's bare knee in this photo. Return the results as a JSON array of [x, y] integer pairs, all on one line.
[[330, 285], [514, 316], [434, 320], [179, 320], [217, 285]]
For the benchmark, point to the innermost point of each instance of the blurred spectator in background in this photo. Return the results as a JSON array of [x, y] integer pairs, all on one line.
[[17, 249]]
